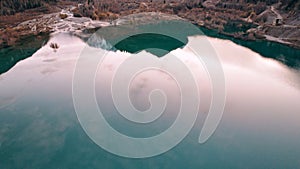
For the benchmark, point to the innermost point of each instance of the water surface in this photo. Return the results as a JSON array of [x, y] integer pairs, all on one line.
[[260, 127]]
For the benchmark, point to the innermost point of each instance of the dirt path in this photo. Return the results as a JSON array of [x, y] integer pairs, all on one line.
[[276, 12]]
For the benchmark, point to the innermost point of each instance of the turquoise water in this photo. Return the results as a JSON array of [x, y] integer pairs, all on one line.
[[283, 53], [39, 127], [150, 42], [13, 54]]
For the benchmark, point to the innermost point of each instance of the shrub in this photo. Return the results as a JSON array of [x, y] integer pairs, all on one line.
[[63, 16]]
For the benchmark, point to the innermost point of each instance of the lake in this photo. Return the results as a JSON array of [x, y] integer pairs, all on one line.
[[260, 126]]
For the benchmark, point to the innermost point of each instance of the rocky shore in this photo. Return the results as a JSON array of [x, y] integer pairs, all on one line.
[[248, 20]]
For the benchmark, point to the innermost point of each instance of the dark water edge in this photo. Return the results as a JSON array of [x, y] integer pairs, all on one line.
[[150, 41], [11, 55], [283, 53]]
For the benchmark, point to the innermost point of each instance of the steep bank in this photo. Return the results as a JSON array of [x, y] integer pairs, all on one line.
[[271, 20]]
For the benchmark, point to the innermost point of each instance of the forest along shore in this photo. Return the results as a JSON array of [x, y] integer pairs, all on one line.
[[248, 20]]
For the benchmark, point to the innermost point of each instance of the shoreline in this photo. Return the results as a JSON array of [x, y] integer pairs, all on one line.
[[14, 36], [276, 22], [44, 25], [28, 28], [284, 53]]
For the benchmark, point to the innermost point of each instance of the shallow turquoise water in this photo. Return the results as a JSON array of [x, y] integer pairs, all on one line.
[[280, 52]]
